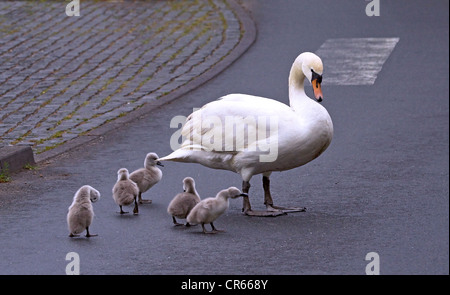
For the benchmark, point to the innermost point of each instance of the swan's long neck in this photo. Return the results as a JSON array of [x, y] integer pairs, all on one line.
[[296, 89]]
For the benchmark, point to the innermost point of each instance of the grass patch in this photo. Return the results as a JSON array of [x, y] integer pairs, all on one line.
[[28, 166], [4, 174]]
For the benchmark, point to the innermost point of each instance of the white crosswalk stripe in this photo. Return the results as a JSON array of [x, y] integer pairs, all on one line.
[[354, 61]]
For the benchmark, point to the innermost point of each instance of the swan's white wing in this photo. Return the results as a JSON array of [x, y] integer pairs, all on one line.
[[233, 124]]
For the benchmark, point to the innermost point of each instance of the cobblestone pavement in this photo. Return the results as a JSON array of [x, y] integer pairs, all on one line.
[[62, 76]]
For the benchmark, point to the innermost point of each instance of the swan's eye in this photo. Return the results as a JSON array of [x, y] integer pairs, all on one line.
[[316, 76]]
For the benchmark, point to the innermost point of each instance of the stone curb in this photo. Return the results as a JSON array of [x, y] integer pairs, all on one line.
[[14, 158], [249, 35]]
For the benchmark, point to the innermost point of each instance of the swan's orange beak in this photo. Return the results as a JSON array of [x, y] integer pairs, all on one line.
[[317, 90]]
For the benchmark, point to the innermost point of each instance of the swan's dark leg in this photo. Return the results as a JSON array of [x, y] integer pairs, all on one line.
[[269, 202], [247, 209], [246, 202], [267, 196]]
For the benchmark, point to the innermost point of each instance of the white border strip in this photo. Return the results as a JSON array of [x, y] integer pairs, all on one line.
[[354, 61]]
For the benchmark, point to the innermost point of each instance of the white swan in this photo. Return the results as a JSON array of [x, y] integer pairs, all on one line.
[[81, 212], [125, 191], [148, 176], [209, 209], [264, 135], [182, 203]]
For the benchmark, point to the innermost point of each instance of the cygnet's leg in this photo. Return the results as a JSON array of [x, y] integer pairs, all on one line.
[[121, 210], [175, 221], [142, 201], [73, 235], [136, 209], [88, 235], [215, 230], [269, 202], [247, 209], [203, 228]]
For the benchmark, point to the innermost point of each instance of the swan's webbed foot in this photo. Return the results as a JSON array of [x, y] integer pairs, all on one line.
[[247, 209], [267, 213], [73, 235], [286, 209], [272, 210]]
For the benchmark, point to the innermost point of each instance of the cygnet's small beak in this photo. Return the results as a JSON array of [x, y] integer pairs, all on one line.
[[159, 164]]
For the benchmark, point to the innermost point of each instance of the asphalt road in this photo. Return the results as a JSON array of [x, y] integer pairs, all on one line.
[[382, 186]]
